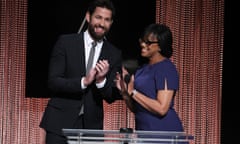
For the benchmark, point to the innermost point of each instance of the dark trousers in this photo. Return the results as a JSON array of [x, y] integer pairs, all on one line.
[[53, 138]]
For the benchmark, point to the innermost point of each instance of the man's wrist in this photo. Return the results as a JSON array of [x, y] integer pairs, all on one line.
[[83, 85], [100, 79], [101, 84]]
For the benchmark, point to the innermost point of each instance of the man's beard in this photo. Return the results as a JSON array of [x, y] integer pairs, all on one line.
[[94, 35]]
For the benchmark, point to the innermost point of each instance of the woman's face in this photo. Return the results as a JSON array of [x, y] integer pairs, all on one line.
[[149, 46]]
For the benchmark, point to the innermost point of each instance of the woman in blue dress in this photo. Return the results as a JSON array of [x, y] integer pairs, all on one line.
[[151, 90]]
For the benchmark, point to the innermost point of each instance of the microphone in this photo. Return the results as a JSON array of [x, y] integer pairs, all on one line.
[[131, 66], [127, 78]]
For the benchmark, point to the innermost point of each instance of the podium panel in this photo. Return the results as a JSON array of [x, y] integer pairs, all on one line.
[[90, 136]]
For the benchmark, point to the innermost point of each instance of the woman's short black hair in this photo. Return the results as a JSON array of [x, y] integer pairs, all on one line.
[[164, 37]]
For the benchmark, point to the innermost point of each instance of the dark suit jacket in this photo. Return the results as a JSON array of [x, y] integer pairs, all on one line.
[[67, 67]]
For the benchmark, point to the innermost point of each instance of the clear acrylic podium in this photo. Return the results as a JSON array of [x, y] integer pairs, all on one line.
[[90, 136]]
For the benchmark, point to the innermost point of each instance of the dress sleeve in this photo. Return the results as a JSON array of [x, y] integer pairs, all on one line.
[[169, 73]]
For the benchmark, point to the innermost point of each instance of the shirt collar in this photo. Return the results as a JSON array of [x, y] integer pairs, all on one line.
[[88, 39]]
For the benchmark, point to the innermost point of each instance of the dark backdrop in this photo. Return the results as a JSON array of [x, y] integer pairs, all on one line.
[[47, 19], [229, 121]]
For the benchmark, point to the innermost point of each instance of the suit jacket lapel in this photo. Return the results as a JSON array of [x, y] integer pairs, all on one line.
[[81, 53], [104, 54]]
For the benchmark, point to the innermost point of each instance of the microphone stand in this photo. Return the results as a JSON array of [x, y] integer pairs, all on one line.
[[131, 65], [126, 130], [127, 80], [81, 27]]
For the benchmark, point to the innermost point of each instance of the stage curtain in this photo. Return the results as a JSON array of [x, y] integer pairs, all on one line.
[[198, 54]]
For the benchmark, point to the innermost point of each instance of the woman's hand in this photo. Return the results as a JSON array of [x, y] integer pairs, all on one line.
[[131, 85], [120, 83]]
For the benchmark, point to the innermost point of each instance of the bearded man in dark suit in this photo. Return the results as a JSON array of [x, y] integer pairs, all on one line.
[[77, 95]]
